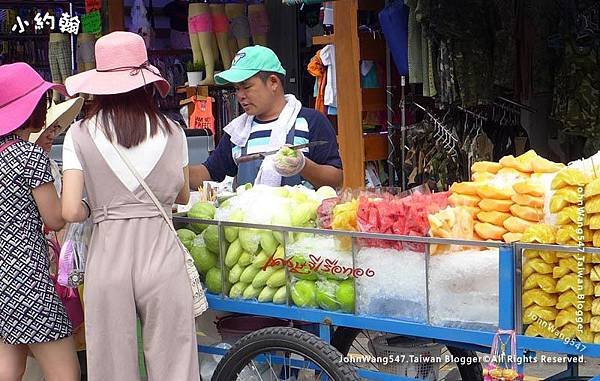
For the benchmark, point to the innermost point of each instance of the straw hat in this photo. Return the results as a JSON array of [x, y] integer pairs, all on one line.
[[121, 66], [63, 114]]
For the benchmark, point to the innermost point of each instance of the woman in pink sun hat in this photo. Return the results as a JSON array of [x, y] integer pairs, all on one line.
[[32, 316], [135, 267]]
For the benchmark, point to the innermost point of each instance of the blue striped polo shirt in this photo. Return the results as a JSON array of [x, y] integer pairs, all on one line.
[[311, 125]]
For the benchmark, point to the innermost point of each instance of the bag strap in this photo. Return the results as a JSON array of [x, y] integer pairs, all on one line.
[[8, 144], [145, 186]]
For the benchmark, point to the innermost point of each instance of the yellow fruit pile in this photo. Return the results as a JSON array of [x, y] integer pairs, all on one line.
[[505, 198], [452, 222], [554, 302]]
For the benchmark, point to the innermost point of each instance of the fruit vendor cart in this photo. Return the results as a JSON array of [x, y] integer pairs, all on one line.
[[452, 306]]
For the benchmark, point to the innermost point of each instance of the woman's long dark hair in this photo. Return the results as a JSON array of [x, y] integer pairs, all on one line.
[[124, 116]]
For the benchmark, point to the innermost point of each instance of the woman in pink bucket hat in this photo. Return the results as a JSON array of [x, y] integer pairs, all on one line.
[[32, 316], [135, 267]]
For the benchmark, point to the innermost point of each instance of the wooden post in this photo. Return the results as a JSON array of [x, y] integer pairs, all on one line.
[[116, 15], [349, 97]]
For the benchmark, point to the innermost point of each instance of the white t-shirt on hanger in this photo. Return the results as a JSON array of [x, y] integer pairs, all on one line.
[[328, 59], [144, 156]]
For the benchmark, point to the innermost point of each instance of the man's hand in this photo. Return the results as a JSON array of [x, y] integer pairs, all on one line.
[[46, 138], [289, 162]]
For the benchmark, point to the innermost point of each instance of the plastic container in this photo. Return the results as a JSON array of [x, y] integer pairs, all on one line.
[[234, 327]]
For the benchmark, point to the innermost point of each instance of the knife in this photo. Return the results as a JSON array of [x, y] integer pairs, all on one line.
[[262, 155]]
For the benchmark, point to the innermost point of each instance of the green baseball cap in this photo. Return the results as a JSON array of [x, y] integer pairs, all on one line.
[[248, 62]]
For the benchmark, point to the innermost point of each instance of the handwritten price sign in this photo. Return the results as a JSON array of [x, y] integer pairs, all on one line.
[[318, 264]]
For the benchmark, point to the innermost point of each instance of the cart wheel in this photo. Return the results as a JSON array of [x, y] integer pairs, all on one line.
[[343, 339], [285, 343]]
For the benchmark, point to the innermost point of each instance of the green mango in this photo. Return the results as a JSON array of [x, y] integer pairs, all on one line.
[[251, 292], [280, 296], [235, 273], [233, 253], [260, 280], [266, 295], [237, 290], [277, 279], [245, 259], [249, 273]]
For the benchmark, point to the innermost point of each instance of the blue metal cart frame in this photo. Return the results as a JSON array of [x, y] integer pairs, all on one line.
[[510, 311]]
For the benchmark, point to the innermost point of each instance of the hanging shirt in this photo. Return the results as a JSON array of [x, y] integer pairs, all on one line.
[[310, 126], [319, 71], [202, 117], [328, 59]]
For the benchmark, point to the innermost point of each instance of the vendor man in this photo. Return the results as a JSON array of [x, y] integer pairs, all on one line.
[[271, 120]]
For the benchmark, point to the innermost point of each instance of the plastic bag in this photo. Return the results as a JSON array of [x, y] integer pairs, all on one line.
[[530, 187], [491, 205], [536, 331], [73, 253], [527, 213], [596, 307], [494, 192], [592, 205], [513, 173], [512, 237], [542, 165], [539, 297], [463, 200], [549, 257], [544, 282], [587, 336], [569, 176], [557, 204], [486, 166], [592, 189], [567, 233], [494, 218], [572, 265], [539, 233], [570, 298], [569, 282], [570, 194], [528, 200], [594, 221], [569, 331], [482, 176], [517, 225], [536, 265], [520, 165], [569, 316], [595, 274], [466, 187], [544, 313], [488, 231], [572, 214], [595, 324]]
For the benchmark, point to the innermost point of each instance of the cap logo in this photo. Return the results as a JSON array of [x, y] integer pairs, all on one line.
[[237, 58]]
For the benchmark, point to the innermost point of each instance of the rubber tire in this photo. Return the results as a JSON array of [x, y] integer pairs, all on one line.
[[343, 337], [278, 338]]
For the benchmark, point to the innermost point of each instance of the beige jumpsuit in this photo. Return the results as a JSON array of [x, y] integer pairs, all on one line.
[[135, 268]]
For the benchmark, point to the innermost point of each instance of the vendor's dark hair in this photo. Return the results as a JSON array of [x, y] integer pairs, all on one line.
[[127, 114], [37, 119], [264, 75]]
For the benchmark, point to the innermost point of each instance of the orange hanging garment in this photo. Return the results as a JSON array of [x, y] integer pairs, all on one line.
[[202, 116], [318, 70]]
